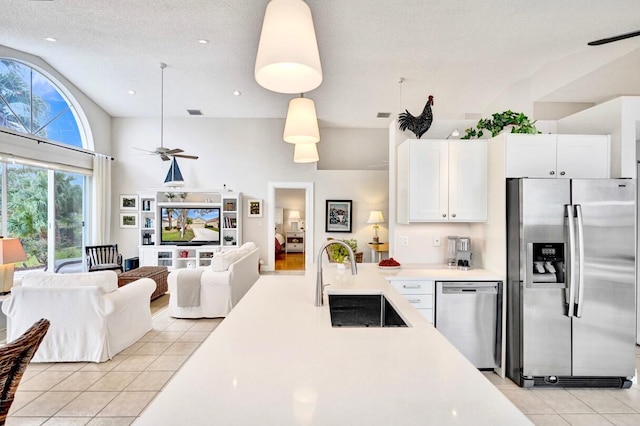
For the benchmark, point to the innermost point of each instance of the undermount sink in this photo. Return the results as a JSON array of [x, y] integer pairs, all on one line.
[[363, 310]]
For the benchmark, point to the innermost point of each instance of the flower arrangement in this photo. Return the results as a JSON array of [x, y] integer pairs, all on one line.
[[339, 253]]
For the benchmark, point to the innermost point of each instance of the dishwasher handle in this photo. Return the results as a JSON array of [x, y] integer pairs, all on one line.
[[475, 288]]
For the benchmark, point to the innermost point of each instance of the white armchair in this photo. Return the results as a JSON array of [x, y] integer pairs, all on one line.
[[91, 318], [212, 291]]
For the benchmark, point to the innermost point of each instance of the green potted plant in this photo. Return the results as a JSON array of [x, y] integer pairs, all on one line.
[[339, 253], [170, 196], [519, 123], [228, 240]]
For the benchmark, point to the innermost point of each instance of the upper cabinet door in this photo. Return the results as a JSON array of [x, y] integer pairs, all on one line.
[[428, 180], [532, 156], [468, 176], [583, 156]]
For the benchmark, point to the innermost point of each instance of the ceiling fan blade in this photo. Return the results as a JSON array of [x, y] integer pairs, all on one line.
[[191, 157], [145, 150], [174, 151], [614, 38]]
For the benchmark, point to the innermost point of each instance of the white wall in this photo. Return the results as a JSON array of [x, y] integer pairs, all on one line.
[[244, 154], [617, 118]]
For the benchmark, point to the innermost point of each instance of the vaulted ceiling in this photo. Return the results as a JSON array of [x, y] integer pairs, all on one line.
[[471, 56]]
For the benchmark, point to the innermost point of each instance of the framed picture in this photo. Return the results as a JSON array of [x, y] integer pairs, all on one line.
[[254, 208], [128, 220], [338, 216], [128, 202]]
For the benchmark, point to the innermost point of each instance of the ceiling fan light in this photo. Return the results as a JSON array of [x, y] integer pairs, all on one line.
[[305, 153], [288, 60], [301, 125]]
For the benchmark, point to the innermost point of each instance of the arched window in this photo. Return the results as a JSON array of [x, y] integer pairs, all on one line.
[[32, 104], [41, 203]]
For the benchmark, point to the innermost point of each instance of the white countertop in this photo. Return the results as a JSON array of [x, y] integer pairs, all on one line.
[[276, 360], [422, 271]]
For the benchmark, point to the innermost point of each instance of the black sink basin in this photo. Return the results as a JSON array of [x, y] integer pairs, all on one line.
[[363, 310]]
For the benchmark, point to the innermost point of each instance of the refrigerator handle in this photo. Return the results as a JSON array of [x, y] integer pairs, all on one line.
[[581, 260], [572, 261]]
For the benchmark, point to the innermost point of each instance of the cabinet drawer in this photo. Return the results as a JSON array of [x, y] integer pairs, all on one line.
[[292, 247], [427, 313], [413, 287], [420, 301]]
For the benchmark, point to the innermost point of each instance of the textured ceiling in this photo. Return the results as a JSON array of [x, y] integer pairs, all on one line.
[[470, 55]]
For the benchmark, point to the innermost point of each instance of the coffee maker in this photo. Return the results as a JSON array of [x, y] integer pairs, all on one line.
[[463, 253], [459, 252]]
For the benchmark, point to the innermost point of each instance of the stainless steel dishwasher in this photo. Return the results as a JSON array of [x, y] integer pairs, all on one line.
[[468, 314]]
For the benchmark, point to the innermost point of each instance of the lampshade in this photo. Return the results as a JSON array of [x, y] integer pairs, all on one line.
[[305, 153], [11, 251], [294, 215], [288, 60], [375, 217], [301, 125]]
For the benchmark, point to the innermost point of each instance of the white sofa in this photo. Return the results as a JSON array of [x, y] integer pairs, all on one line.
[[212, 291], [91, 318]]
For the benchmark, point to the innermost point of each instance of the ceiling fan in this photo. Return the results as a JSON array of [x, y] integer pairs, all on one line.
[[614, 38], [165, 153]]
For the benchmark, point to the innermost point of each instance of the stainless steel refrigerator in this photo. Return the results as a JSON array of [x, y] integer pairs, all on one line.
[[571, 273]]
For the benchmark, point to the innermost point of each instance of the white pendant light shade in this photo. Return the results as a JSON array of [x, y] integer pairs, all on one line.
[[305, 153], [288, 60], [301, 125]]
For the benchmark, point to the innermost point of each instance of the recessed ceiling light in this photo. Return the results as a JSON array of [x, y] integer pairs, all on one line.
[[194, 112], [237, 92], [131, 92], [203, 41], [50, 39], [383, 115]]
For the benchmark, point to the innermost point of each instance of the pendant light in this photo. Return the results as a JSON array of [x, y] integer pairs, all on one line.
[[305, 153], [288, 60], [301, 125]]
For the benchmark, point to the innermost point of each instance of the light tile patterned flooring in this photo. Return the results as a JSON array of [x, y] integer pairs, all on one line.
[[115, 392]]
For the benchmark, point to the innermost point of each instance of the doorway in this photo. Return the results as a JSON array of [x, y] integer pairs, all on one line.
[[290, 222]]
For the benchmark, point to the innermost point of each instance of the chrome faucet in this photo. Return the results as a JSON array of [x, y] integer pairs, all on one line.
[[319, 284]]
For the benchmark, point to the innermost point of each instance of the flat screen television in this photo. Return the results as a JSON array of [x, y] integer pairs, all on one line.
[[190, 226]]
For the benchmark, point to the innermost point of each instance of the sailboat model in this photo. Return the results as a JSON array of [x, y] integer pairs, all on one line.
[[174, 176]]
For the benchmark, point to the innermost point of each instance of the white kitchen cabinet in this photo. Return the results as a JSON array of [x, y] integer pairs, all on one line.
[[419, 294], [440, 180], [557, 156]]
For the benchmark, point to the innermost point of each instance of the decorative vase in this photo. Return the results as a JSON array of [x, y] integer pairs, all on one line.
[[340, 265]]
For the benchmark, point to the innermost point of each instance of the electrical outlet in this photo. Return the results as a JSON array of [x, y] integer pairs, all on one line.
[[436, 241], [403, 240]]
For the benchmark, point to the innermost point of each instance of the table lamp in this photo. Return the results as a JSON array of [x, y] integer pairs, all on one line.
[[11, 251], [375, 217], [294, 217]]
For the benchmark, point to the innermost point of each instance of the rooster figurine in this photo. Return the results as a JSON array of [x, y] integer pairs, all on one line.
[[420, 124]]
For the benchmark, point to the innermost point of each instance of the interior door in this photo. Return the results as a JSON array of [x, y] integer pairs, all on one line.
[[604, 331]]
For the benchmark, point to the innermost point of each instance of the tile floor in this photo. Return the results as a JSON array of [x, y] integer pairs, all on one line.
[[575, 407], [115, 392]]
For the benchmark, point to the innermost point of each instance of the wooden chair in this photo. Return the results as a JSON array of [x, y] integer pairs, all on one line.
[[14, 359], [104, 258]]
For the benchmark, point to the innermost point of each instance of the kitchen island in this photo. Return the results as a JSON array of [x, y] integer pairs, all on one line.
[[276, 360]]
